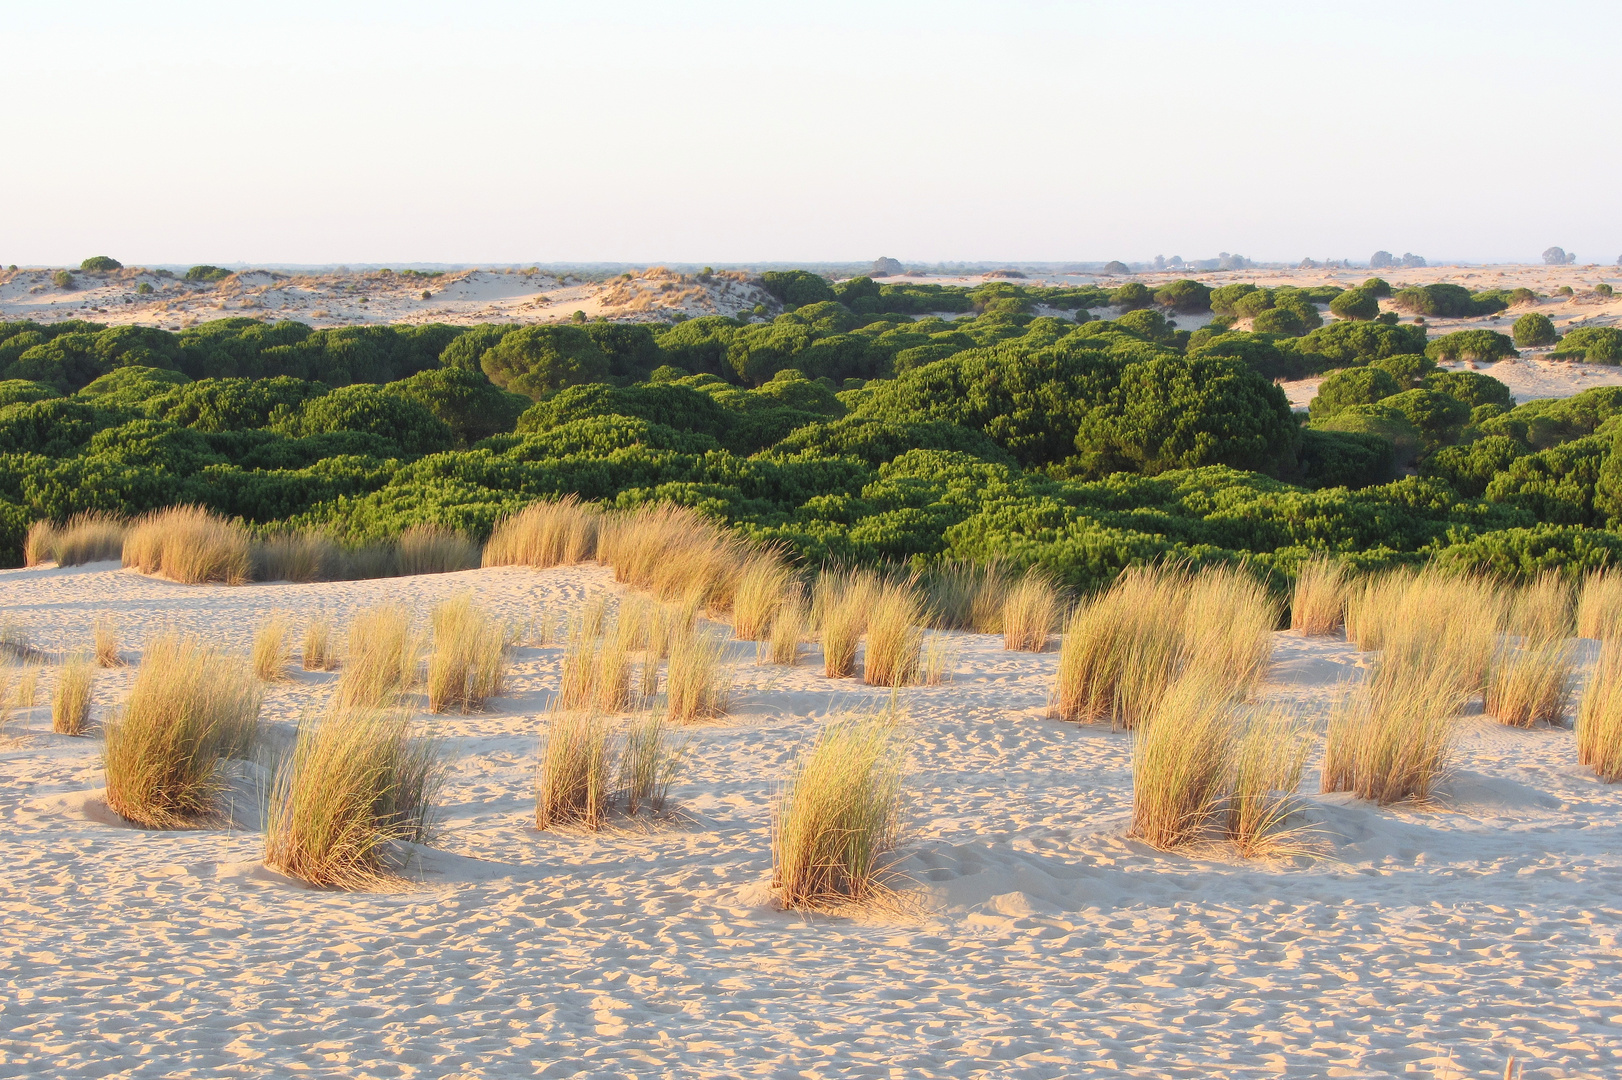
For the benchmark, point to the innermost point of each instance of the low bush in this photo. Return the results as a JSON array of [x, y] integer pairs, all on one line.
[[1485, 345], [1533, 330], [1359, 303]]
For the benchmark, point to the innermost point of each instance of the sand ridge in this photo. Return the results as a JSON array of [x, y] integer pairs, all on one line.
[[1048, 944]]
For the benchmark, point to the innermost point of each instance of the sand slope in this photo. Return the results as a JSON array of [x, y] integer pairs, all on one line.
[[1427, 943]]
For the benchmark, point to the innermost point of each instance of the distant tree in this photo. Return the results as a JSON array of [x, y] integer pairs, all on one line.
[[1185, 295], [1409, 369], [1556, 256], [1353, 386], [1522, 295], [62, 279], [1409, 259], [1359, 303], [1131, 296], [204, 272], [1380, 260], [1471, 387], [1223, 299], [101, 264], [884, 266], [1595, 344], [1532, 330], [1116, 267], [797, 287], [1602, 289], [1486, 345], [1253, 304]]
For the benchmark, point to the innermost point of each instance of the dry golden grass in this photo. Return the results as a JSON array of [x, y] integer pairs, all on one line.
[[1182, 755], [676, 554], [597, 663], [88, 537], [1599, 716], [895, 634], [1599, 606], [839, 815], [356, 788], [272, 648], [1531, 682], [468, 664], [1543, 608], [551, 533], [698, 680], [190, 545], [648, 766], [435, 549], [967, 596], [573, 782], [937, 660], [763, 587], [104, 632], [70, 700], [27, 686], [1030, 612], [788, 629], [1227, 630], [188, 708], [1120, 651], [1318, 606], [317, 653], [1269, 755], [840, 604], [1414, 611], [301, 555], [381, 663]]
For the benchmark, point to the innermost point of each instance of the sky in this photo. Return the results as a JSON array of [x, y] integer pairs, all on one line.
[[488, 132]]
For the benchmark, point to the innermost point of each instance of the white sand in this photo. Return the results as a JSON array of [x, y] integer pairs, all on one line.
[[1430, 943]]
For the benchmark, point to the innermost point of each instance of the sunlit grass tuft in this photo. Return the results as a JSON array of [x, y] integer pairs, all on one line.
[[317, 652], [1318, 606], [70, 700], [190, 545], [273, 648], [1599, 716], [104, 632], [1030, 612], [468, 664], [381, 662]]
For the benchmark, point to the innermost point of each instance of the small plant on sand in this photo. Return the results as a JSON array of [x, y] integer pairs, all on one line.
[[1030, 611], [434, 549], [937, 659], [190, 545], [839, 607], [1269, 755], [316, 653], [648, 766], [88, 537], [356, 788], [762, 588], [1599, 606], [381, 662], [839, 815], [573, 783], [468, 663], [544, 534], [70, 701], [1318, 606], [1531, 683], [272, 648], [104, 631], [967, 596], [301, 555], [1599, 717], [27, 686], [1182, 754], [895, 635], [788, 629], [698, 680], [597, 663], [188, 708]]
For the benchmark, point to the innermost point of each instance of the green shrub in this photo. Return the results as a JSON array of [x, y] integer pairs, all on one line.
[[13, 391], [100, 264], [1409, 369], [1253, 303], [797, 287], [1224, 298], [130, 386], [1346, 342], [1350, 459], [1376, 286], [539, 360], [1266, 355], [467, 348], [1360, 303], [465, 401], [1439, 418], [1353, 386], [1595, 344], [1282, 321], [1487, 345], [1406, 440], [1471, 387], [1131, 296], [1470, 468], [1533, 329], [207, 273], [1448, 301], [1184, 296], [63, 279]]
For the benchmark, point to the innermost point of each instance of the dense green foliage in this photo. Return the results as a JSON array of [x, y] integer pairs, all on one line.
[[1533, 329], [859, 424], [1449, 301], [1596, 344]]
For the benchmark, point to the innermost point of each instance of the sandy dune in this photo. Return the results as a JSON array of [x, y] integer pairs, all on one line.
[[1430, 943]]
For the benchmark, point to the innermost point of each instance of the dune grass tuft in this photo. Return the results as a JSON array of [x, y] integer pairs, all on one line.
[[272, 648], [648, 766], [1318, 606], [1531, 682], [967, 596], [190, 545], [1182, 754], [381, 662], [573, 783], [1599, 606], [468, 664], [1389, 741], [1269, 756], [299, 555], [70, 700], [26, 691], [677, 554], [316, 654], [1030, 612], [788, 629], [895, 634], [104, 632], [698, 680], [557, 532], [188, 708], [937, 659], [763, 587], [356, 786], [838, 816], [87, 537], [1543, 607], [840, 604], [1599, 716], [435, 549]]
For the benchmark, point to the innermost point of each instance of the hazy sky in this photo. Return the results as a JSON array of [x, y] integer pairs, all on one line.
[[514, 132]]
